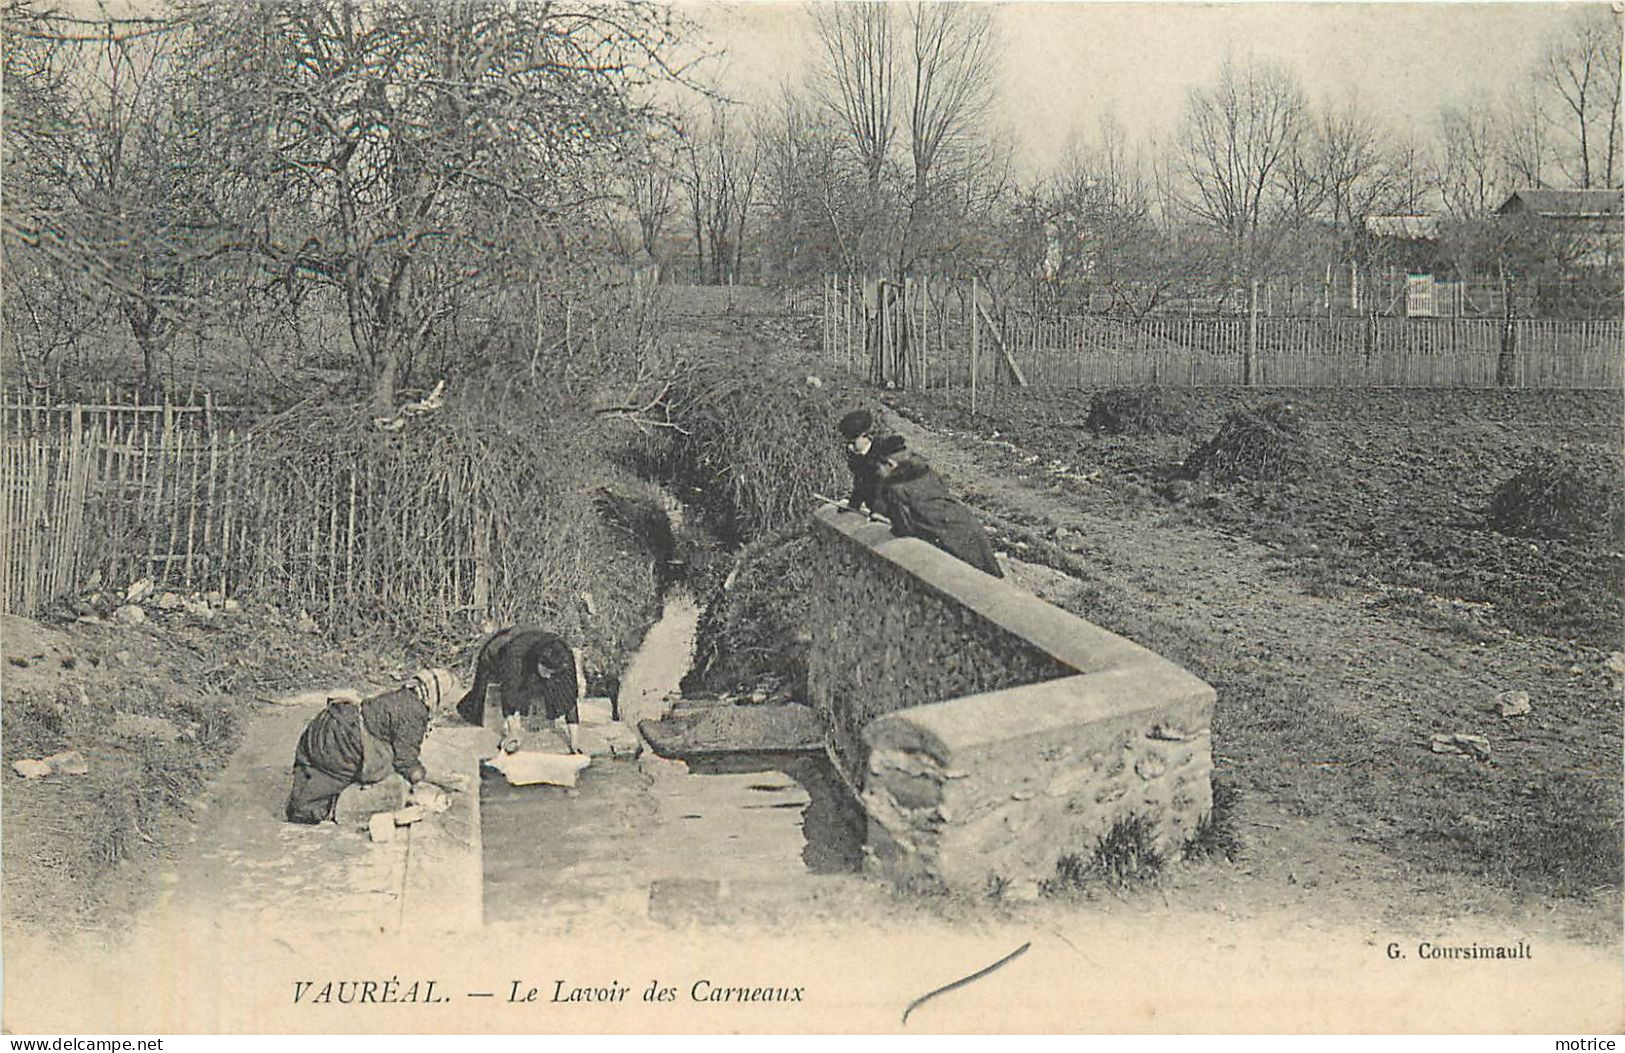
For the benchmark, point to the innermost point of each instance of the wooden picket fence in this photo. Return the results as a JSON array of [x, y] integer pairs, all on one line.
[[928, 334], [103, 495]]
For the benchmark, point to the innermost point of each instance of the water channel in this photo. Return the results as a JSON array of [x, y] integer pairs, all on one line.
[[656, 838]]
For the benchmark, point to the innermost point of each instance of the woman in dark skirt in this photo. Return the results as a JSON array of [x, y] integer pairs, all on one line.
[[537, 674], [361, 742]]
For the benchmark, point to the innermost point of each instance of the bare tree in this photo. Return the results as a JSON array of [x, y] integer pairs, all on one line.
[[649, 193], [1409, 174], [949, 68], [422, 154], [104, 186], [1353, 159], [950, 85], [808, 225], [1582, 68], [1525, 143], [722, 162], [1239, 135], [1470, 172], [859, 78]]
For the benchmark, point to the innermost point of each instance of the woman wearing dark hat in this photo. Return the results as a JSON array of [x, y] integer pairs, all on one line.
[[857, 429], [913, 496]]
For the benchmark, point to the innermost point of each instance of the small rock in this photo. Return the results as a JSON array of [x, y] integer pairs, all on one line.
[[123, 657], [1513, 703], [130, 614], [214, 598], [170, 602], [412, 813], [381, 826], [31, 769], [67, 661], [1476, 746], [138, 591], [305, 623], [232, 607], [68, 762]]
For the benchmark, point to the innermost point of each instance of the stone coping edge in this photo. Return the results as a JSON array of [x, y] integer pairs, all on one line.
[[1117, 677], [1064, 636]]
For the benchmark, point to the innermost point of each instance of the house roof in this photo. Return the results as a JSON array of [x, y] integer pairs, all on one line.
[[1565, 204], [1418, 228]]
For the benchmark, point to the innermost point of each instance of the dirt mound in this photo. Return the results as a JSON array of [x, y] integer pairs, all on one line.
[[1265, 443], [1570, 493], [1139, 411]]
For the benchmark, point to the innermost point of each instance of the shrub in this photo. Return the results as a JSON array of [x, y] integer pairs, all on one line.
[[1576, 493], [1139, 411], [755, 627], [756, 440], [489, 505], [1267, 443]]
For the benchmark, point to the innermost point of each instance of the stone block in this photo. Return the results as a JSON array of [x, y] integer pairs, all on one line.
[[357, 804]]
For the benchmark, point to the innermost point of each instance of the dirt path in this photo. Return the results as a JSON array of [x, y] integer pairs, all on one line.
[[1378, 685]]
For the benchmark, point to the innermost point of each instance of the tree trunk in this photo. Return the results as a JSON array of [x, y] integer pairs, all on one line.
[[1506, 362], [383, 385]]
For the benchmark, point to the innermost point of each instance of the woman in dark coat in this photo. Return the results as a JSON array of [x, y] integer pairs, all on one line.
[[354, 741], [916, 500], [537, 674]]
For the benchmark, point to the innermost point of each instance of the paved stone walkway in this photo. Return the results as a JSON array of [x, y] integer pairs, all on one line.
[[248, 867]]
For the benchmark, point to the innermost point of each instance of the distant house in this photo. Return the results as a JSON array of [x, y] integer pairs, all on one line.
[[1406, 254], [1590, 209], [1595, 217], [1406, 243]]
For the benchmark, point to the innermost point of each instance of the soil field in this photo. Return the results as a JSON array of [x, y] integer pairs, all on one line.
[[1399, 492], [1346, 618]]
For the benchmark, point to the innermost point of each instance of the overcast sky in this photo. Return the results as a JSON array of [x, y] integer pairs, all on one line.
[[1067, 62]]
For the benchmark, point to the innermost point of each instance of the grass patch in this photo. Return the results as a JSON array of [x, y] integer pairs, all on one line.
[[1126, 855], [1218, 833], [1560, 838]]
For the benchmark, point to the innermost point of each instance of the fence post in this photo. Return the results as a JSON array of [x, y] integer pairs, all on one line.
[[975, 326], [1506, 362], [1252, 337]]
